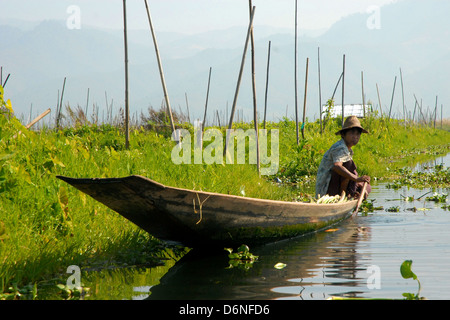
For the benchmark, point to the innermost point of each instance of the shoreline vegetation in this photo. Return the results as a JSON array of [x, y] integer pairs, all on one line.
[[47, 226]]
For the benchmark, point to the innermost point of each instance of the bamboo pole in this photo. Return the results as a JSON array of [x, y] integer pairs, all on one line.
[[403, 97], [58, 114], [343, 87], [32, 123], [207, 97], [218, 118], [161, 72], [392, 99], [127, 111], [6, 80], [435, 112], [379, 101], [267, 83], [38, 118], [320, 91], [255, 110], [31, 112], [233, 109], [304, 99], [295, 76], [337, 84], [57, 108], [363, 98], [420, 108], [187, 106], [87, 103]]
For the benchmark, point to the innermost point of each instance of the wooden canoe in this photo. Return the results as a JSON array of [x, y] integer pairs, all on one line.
[[197, 218]]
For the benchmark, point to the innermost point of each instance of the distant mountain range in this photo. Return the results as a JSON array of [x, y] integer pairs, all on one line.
[[413, 35]]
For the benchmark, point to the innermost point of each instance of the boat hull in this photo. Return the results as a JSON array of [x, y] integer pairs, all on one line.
[[197, 218]]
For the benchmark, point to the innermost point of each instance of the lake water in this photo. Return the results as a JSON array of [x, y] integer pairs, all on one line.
[[361, 259]]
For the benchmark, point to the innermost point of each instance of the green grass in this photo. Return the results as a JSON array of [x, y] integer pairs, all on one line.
[[46, 225]]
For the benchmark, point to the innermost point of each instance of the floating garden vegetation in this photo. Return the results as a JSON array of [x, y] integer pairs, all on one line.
[[438, 198], [46, 226], [439, 177]]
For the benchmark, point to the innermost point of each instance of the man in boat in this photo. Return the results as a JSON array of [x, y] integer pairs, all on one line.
[[337, 171]]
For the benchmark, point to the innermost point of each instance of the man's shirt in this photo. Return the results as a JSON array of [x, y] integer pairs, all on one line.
[[338, 152]]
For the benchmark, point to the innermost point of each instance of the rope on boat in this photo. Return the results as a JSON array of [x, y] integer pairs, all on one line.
[[200, 204]]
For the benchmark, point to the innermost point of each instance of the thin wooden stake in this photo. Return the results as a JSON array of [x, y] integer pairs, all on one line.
[[392, 99], [218, 118], [320, 91], [161, 72], [233, 109], [420, 109], [403, 97], [187, 106], [31, 113], [363, 98], [255, 110], [343, 82], [267, 83], [379, 101], [207, 97], [127, 111], [304, 99], [87, 103], [58, 115], [295, 76], [38, 118], [7, 77], [435, 112], [57, 108], [337, 84]]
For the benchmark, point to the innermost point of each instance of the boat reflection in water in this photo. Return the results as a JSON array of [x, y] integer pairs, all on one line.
[[318, 266]]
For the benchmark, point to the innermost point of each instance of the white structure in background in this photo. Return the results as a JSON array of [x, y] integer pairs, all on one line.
[[349, 110]]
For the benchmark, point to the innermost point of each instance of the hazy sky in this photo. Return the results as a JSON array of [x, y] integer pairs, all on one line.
[[188, 16]]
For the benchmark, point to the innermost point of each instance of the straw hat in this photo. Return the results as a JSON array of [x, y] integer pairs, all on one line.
[[351, 122]]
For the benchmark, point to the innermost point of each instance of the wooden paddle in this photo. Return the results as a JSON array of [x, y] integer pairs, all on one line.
[[361, 197]]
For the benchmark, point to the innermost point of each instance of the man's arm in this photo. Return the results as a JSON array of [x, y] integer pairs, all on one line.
[[342, 171]]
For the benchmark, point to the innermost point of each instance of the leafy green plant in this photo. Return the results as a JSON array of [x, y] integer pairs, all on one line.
[[393, 209], [326, 114], [407, 273], [76, 293], [242, 258], [368, 206], [438, 198]]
